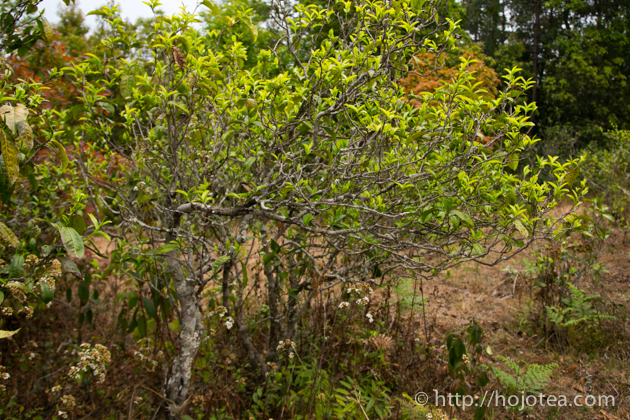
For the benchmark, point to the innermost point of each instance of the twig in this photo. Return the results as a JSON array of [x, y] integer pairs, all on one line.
[[360, 406]]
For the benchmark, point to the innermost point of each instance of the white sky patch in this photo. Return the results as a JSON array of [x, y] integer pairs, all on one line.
[[130, 10]]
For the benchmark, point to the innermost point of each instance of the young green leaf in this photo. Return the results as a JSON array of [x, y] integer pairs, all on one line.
[[166, 248], [513, 161], [218, 263], [61, 151]]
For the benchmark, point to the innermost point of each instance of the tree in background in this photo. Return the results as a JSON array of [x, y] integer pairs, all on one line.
[[67, 44], [575, 51], [432, 71]]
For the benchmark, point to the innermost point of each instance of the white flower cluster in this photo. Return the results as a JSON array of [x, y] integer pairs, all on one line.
[[369, 317], [229, 322], [465, 359], [286, 344], [221, 311], [95, 358], [361, 288], [68, 401], [28, 311], [363, 301], [50, 277], [273, 367], [144, 354], [140, 186], [17, 292], [440, 416]]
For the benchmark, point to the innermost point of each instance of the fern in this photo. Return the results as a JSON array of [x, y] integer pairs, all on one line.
[[528, 378], [579, 309]]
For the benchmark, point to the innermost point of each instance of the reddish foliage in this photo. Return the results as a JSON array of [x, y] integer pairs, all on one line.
[[435, 70], [35, 67]]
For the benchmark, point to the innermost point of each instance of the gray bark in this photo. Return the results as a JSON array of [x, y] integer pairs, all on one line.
[[177, 381]]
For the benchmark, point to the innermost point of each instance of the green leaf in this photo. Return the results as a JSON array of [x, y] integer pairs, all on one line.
[[477, 250], [165, 248], [84, 293], [213, 7], [519, 226], [149, 306], [179, 105], [480, 413], [8, 235], [513, 161], [69, 266], [16, 266], [10, 157], [254, 30], [249, 162], [97, 12], [25, 133], [133, 300], [6, 189], [106, 106], [72, 242], [306, 219], [245, 279], [48, 32], [463, 217], [6, 334], [61, 151], [1, 297], [571, 177], [47, 293], [77, 223], [218, 263], [142, 326], [127, 83]]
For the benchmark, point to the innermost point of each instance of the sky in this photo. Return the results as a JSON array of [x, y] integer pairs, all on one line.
[[130, 9]]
